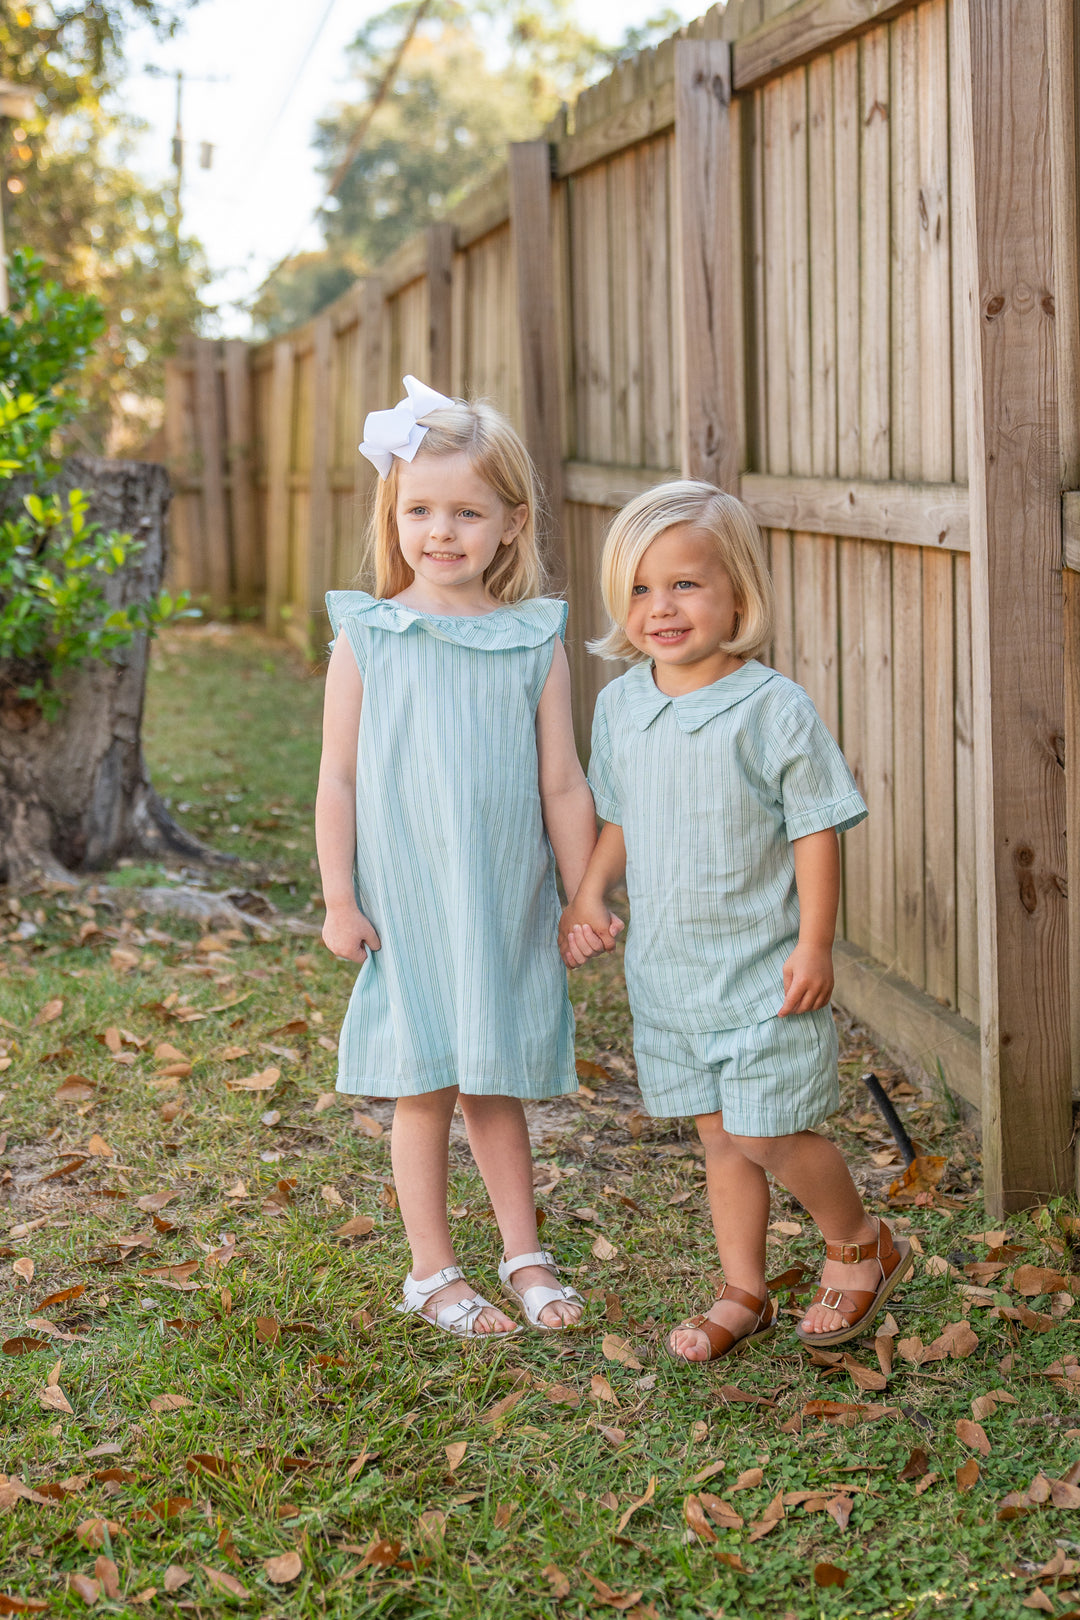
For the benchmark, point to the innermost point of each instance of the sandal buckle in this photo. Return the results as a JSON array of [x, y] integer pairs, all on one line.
[[831, 1304], [851, 1253]]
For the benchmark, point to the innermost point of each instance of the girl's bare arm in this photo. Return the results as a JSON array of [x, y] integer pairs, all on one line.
[[565, 798], [346, 931]]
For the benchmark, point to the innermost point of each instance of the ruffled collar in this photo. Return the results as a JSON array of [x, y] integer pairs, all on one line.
[[692, 709], [518, 624]]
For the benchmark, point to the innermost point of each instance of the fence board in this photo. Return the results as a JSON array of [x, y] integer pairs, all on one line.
[[246, 552], [210, 434]]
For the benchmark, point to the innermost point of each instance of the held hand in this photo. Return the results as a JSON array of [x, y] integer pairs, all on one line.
[[808, 980], [585, 930], [348, 933]]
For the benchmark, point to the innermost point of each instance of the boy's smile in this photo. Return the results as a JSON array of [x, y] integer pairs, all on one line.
[[683, 611]]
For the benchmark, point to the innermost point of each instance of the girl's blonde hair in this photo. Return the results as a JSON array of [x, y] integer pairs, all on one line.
[[726, 522], [477, 430]]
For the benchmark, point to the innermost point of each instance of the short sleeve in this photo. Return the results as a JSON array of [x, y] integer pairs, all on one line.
[[810, 774], [602, 781], [342, 622]]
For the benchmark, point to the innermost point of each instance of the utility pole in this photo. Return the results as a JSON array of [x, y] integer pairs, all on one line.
[[178, 155], [15, 102]]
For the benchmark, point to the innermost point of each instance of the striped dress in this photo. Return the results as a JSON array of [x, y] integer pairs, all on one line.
[[453, 864]]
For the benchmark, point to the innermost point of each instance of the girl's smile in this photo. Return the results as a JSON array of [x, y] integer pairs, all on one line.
[[683, 610], [450, 525]]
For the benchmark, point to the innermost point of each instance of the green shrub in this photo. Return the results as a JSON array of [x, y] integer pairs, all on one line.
[[54, 607]]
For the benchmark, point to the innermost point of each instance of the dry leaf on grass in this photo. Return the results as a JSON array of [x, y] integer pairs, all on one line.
[[601, 1390], [606, 1594], [267, 1329], [283, 1569], [602, 1249], [618, 1349], [829, 1575], [967, 1476], [772, 1516], [107, 1573], [9, 1604], [92, 1532], [169, 1403], [265, 1080], [176, 1576], [840, 1508], [455, 1453], [732, 1560], [85, 1588], [23, 1268], [47, 1014], [917, 1464], [504, 1512], [359, 1226], [366, 1125], [381, 1554], [560, 1586], [650, 1492], [694, 1514], [864, 1378], [921, 1177], [53, 1399], [709, 1471], [503, 1408], [562, 1395], [748, 1479], [720, 1512], [222, 1581], [925, 1483], [973, 1435], [23, 1346], [1033, 1280]]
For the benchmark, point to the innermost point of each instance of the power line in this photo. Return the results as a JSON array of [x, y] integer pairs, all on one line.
[[291, 91], [358, 134]]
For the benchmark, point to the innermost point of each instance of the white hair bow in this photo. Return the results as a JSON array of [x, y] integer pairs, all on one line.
[[399, 432]]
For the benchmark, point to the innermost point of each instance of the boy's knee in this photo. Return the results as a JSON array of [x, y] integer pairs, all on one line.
[[766, 1151], [714, 1138]]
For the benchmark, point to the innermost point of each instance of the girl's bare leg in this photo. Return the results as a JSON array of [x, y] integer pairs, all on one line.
[[419, 1152], [499, 1138], [814, 1170], [739, 1205]]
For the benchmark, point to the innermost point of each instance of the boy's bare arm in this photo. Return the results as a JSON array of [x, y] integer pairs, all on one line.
[[808, 971], [587, 925]]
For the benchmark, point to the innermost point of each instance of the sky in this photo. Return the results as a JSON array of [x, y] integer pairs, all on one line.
[[257, 75]]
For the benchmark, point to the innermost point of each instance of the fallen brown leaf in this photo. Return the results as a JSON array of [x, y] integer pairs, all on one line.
[[560, 1586], [967, 1476], [601, 1390], [973, 1435], [455, 1453], [772, 1516], [721, 1512], [284, 1568], [829, 1575], [23, 1346], [176, 1576], [265, 1080], [503, 1408], [694, 1514], [107, 1573], [650, 1492], [602, 1249], [562, 1395], [23, 1268], [839, 1508], [1033, 1280], [916, 1465], [748, 1479], [222, 1581], [169, 1403], [61, 1298], [615, 1348], [53, 1399], [10, 1604], [92, 1532], [615, 1600], [47, 1014], [85, 1588], [359, 1226], [864, 1378]]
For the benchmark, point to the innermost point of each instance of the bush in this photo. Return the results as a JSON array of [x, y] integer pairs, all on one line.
[[54, 607]]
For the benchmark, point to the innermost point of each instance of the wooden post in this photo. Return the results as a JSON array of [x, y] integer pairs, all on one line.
[[278, 498], [440, 281], [372, 383], [1064, 89], [210, 431], [541, 377], [707, 271], [1016, 606], [320, 504], [238, 436], [178, 382]]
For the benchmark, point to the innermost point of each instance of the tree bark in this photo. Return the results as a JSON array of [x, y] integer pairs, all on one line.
[[75, 794]]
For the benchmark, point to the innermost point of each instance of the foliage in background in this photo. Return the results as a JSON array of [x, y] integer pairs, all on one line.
[[72, 199], [472, 79], [54, 606]]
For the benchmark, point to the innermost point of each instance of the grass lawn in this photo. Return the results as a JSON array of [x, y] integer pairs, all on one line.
[[208, 1402]]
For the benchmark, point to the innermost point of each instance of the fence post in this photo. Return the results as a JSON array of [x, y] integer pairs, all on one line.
[[440, 282], [708, 266], [541, 392], [320, 504], [373, 397], [238, 438], [278, 495], [1016, 601], [179, 453], [210, 433]]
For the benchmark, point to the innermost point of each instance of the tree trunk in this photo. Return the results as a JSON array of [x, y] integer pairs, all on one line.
[[75, 794]]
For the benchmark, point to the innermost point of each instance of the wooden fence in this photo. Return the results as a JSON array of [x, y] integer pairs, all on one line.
[[805, 251]]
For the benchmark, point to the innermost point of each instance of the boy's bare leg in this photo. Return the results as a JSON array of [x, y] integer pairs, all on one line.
[[739, 1205], [499, 1138], [418, 1150], [813, 1169]]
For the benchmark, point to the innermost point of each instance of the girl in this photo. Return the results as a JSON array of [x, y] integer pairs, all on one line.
[[722, 795], [448, 776]]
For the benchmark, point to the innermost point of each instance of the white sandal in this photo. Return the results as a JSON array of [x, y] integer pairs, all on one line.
[[540, 1295], [459, 1316]]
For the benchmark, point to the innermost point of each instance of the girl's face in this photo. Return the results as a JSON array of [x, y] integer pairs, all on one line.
[[450, 525], [682, 609]]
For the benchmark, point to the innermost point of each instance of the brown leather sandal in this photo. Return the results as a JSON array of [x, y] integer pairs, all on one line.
[[722, 1341], [895, 1261]]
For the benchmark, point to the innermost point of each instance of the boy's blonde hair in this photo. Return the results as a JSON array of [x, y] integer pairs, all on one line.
[[726, 521], [477, 430]]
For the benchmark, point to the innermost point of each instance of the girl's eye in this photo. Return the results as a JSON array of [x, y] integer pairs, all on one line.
[[415, 511], [684, 584], [639, 590]]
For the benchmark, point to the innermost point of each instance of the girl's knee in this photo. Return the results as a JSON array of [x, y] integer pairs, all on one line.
[[427, 1104]]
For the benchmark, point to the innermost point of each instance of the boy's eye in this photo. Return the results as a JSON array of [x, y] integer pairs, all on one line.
[[469, 513], [639, 590]]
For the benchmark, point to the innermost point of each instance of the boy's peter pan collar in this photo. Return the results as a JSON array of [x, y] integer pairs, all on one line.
[[693, 709]]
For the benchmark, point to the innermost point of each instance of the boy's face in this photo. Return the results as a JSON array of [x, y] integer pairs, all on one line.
[[683, 609]]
